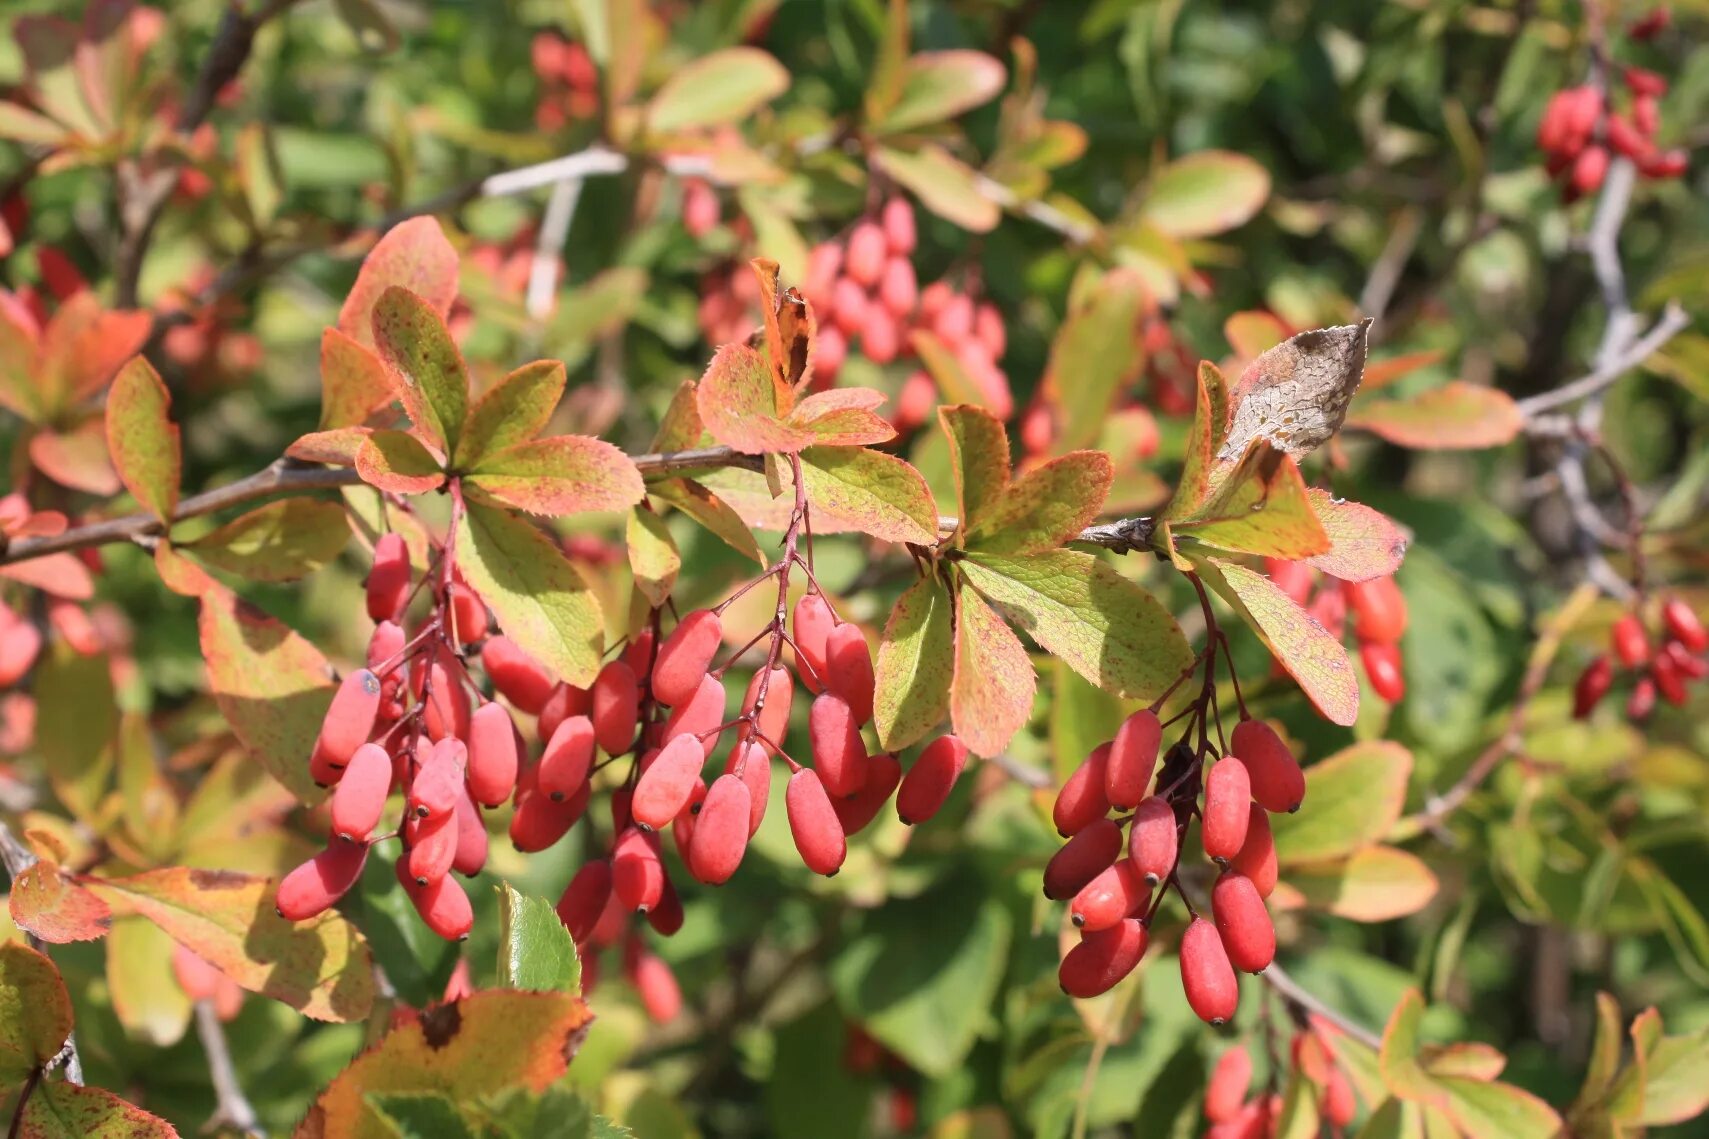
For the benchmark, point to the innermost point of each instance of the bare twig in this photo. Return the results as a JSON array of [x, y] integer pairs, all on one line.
[[232, 1109], [549, 246], [1672, 321], [1291, 992]]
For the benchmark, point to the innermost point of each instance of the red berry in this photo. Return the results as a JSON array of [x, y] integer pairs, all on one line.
[[1228, 795], [883, 773], [360, 797], [848, 306], [1592, 685], [686, 656], [813, 823], [656, 985], [1102, 959], [954, 322], [538, 822], [349, 718], [700, 716], [864, 260], [823, 262], [1695, 668], [1243, 923], [1277, 782], [848, 669], [1339, 1106], [934, 298], [516, 676], [1117, 892], [666, 917], [1082, 858], [1292, 578], [199, 980], [1627, 139], [432, 846], [312, 887], [664, 788], [637, 874], [1642, 81], [1683, 625], [1082, 800], [1589, 169], [720, 831], [880, 335], [444, 908], [564, 765], [839, 754], [584, 900], [899, 289], [897, 219], [929, 782], [443, 683], [699, 208], [1206, 976], [639, 655], [564, 702], [1379, 609], [1383, 668], [616, 697], [682, 827], [988, 329], [437, 783], [468, 613], [1225, 1091], [1257, 857], [811, 628], [1669, 680], [1666, 164], [1552, 128], [772, 722], [1631, 644], [492, 754], [829, 351], [751, 763], [1153, 840], [471, 856], [1132, 758], [1582, 107], [1651, 23], [389, 579], [1647, 116]]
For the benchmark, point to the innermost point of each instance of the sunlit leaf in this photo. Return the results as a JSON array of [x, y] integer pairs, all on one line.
[[739, 406], [63, 1110], [143, 439], [991, 695], [723, 87], [563, 474], [653, 557], [916, 663], [353, 383], [535, 950], [943, 183], [979, 460], [869, 491], [939, 85], [35, 1012], [425, 368], [1312, 657], [1364, 543], [1206, 193], [1455, 416], [1374, 884], [1352, 799], [1094, 357], [413, 254], [514, 410], [280, 541], [50, 904], [1046, 507]]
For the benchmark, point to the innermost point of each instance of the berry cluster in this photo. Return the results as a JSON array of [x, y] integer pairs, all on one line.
[[1582, 129], [1379, 618], [1666, 671], [1235, 1111], [1113, 898], [571, 82]]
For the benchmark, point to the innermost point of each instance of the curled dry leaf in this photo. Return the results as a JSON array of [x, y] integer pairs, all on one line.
[[1296, 394]]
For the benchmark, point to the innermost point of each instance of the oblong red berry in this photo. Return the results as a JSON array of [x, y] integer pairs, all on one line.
[[664, 788], [1257, 857], [928, 783], [565, 701], [1228, 794], [1102, 959], [516, 676], [432, 846], [472, 842], [1278, 784], [389, 579], [1631, 644], [616, 703], [720, 831], [568, 758], [1683, 625], [656, 985], [1117, 892], [493, 757], [1206, 975], [387, 642], [1132, 758], [897, 219], [1243, 923], [899, 288], [360, 797], [312, 887], [639, 654], [848, 669], [751, 763], [584, 900], [637, 873], [1225, 1091], [773, 718], [1379, 609], [1153, 841], [1082, 799], [468, 613], [349, 718], [1383, 669], [682, 827], [439, 781], [445, 710], [883, 773], [1082, 858], [666, 916], [813, 823], [700, 715], [538, 822], [839, 754], [444, 908], [1592, 685], [810, 626], [686, 656], [864, 259]]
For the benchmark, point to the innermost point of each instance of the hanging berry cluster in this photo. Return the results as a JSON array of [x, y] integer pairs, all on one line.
[[1666, 670], [1379, 618], [1236, 1110]]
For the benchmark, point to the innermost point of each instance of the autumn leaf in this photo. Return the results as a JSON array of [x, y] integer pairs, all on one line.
[[991, 696], [50, 904], [1046, 507], [563, 474], [353, 381], [142, 438], [413, 254], [653, 557], [425, 368], [1260, 508], [281, 541], [979, 460], [939, 85], [1095, 356], [738, 404], [1204, 439], [1296, 394], [1455, 416], [916, 664], [396, 461], [35, 1012], [1363, 543], [512, 411]]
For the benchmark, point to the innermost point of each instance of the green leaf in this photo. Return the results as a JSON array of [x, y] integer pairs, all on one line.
[[1299, 1118], [541, 602], [1352, 799], [680, 428], [811, 1090], [281, 541], [514, 410], [724, 87], [1082, 716], [939, 85], [870, 491], [1455, 416], [991, 696], [916, 663], [35, 1012], [50, 48], [427, 371], [1206, 193], [1363, 543], [76, 720], [1397, 1062], [1046, 507], [920, 974], [739, 405], [420, 1115], [979, 460], [1316, 660], [1670, 1085], [143, 439], [563, 474], [1079, 608], [535, 950], [1375, 883], [1096, 355], [396, 461], [1260, 508], [139, 958], [413, 254], [259, 174], [555, 1113], [653, 557], [59, 1109], [944, 184], [710, 511], [1489, 1110]]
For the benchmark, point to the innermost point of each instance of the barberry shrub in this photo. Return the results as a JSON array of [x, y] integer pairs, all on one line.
[[909, 569]]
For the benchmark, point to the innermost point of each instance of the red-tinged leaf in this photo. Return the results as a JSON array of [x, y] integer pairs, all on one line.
[[869, 491], [653, 557], [1484, 1109], [852, 427], [954, 384], [396, 461], [20, 342], [1254, 332], [979, 461], [1397, 1062], [77, 458], [142, 438], [1380, 374], [1455, 416], [48, 903], [413, 254], [540, 600], [281, 541], [1295, 395], [179, 574], [1083, 611], [710, 511], [35, 1012], [681, 429], [1363, 543], [1095, 357], [425, 368], [1046, 507], [1470, 1061], [991, 697], [271, 684], [320, 967], [563, 474], [1206, 193], [465, 1051], [60, 575], [512, 411], [337, 447], [1204, 438], [916, 665], [943, 183], [939, 85], [1314, 658], [23, 125], [1260, 508], [1375, 884], [738, 404], [60, 1109], [353, 381], [821, 404], [83, 346]]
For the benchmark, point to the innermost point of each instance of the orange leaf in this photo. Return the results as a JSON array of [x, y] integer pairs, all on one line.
[[739, 406], [789, 332], [49, 904], [142, 438], [1260, 508], [979, 460], [396, 461], [1455, 416], [563, 474], [1314, 658], [1364, 543], [353, 383], [414, 254], [61, 575], [1380, 374], [991, 697], [337, 446], [77, 458], [1378, 883], [1046, 507], [83, 346]]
